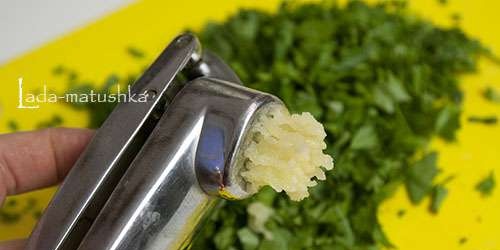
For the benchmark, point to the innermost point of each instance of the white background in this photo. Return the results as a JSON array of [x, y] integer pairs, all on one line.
[[27, 24]]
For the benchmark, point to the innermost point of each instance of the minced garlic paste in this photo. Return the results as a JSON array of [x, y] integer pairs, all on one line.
[[285, 152]]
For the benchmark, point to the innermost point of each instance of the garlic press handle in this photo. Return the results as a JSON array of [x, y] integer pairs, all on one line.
[[100, 167]]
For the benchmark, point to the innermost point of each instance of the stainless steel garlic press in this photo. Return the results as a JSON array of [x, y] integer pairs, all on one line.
[[155, 169]]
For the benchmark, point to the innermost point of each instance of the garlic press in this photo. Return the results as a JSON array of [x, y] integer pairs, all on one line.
[[156, 169]]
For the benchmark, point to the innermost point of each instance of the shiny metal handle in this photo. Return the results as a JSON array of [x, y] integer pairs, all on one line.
[[191, 153], [153, 171], [107, 156], [158, 202]]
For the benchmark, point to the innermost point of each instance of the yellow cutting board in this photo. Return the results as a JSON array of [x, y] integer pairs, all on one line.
[[98, 49]]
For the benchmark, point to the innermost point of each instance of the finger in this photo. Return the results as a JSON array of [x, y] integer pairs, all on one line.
[[31, 160], [12, 245]]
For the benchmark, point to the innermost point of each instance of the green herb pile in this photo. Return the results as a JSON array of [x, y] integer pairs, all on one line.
[[382, 81]]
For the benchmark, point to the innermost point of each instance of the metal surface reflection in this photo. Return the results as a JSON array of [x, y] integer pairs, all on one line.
[[155, 170]]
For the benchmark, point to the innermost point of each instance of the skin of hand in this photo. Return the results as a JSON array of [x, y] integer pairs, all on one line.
[[37, 159]]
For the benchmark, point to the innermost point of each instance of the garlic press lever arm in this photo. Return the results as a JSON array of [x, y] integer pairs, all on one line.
[[93, 177]]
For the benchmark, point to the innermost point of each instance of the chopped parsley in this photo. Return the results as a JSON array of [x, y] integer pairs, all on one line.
[[491, 95], [487, 120], [439, 193], [382, 81], [486, 185]]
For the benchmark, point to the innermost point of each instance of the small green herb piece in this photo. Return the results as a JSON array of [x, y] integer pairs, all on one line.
[[37, 214], [443, 2], [462, 240], [14, 210], [248, 239], [486, 185], [439, 193], [13, 125], [365, 138], [54, 121], [58, 70], [487, 120], [7, 217], [401, 213], [11, 202], [456, 18], [419, 177], [491, 95], [224, 238], [135, 52], [448, 121]]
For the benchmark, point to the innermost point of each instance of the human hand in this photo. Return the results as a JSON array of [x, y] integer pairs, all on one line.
[[34, 160]]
